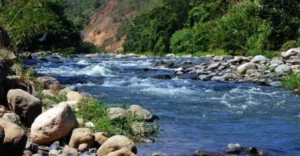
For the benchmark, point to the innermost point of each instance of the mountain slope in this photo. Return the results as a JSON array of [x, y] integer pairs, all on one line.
[[108, 26]]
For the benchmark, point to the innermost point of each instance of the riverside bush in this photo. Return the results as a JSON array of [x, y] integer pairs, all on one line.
[[291, 81]]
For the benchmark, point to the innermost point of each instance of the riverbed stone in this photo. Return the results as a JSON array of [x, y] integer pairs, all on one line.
[[54, 124], [213, 66], [24, 104], [164, 63], [74, 96], [116, 113], [49, 83], [259, 59], [116, 142], [291, 52], [283, 69], [139, 112], [244, 67], [14, 140], [48, 93], [121, 152], [81, 136], [67, 90], [101, 137], [12, 117]]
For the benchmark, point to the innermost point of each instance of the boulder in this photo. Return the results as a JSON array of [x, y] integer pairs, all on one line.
[[170, 55], [14, 140], [48, 93], [258, 59], [49, 83], [121, 152], [244, 67], [139, 112], [12, 117], [101, 137], [7, 55], [74, 96], [283, 69], [166, 64], [81, 136], [291, 52], [24, 104], [54, 124], [83, 147], [115, 143], [67, 90], [213, 66], [116, 113], [243, 58]]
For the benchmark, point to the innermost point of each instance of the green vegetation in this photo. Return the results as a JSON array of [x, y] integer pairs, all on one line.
[[79, 11], [243, 27], [291, 81], [96, 112], [35, 25]]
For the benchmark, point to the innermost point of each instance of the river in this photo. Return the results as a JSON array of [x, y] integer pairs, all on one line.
[[193, 114]]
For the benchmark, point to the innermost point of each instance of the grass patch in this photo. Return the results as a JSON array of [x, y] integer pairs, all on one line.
[[96, 112], [291, 81]]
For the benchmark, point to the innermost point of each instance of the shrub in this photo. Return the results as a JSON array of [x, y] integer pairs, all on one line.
[[289, 44], [291, 81]]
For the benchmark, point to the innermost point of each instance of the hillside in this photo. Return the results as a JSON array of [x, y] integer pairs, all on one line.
[[108, 26]]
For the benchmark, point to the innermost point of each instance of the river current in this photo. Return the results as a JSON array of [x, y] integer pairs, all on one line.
[[193, 114]]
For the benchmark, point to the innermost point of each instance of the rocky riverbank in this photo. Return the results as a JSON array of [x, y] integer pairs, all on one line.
[[32, 122], [254, 69]]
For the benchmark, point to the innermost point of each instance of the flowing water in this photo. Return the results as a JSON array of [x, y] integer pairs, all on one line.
[[193, 114]]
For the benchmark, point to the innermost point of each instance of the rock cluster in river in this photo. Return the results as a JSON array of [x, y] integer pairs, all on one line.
[[257, 69]]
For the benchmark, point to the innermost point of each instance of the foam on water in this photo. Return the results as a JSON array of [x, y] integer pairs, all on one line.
[[95, 70], [83, 62]]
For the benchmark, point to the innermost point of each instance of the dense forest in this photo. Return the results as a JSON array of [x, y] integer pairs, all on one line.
[[52, 25], [240, 27], [243, 27]]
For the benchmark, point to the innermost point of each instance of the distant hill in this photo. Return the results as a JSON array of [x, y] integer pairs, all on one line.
[[108, 25]]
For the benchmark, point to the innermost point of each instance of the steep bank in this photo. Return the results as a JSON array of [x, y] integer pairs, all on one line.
[[108, 26]]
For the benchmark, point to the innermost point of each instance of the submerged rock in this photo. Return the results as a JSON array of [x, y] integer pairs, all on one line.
[[163, 77]]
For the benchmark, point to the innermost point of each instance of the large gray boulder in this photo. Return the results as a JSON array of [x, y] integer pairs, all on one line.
[[54, 124], [24, 104], [283, 69], [14, 140]]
